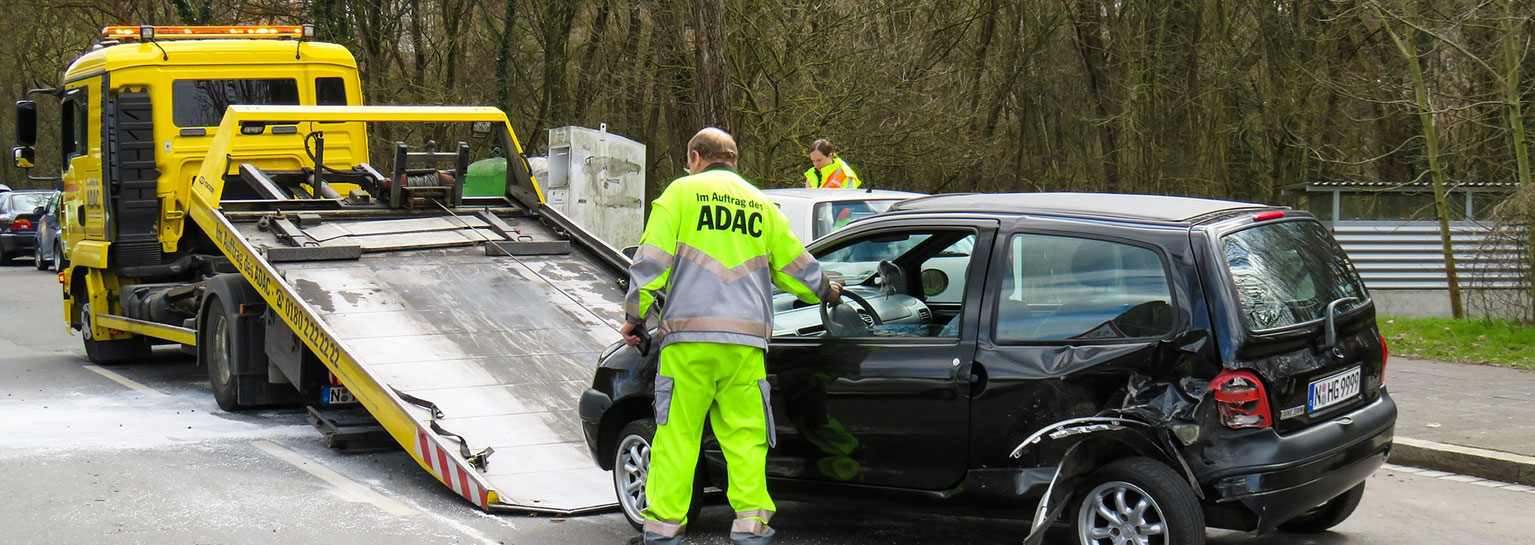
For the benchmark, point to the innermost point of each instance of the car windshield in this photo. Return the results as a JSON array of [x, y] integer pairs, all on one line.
[[26, 202], [1286, 273], [831, 216]]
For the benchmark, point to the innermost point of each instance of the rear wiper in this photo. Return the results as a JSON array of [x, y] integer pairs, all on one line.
[[1331, 338]]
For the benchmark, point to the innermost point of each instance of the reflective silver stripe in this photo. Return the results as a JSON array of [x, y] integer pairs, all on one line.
[[714, 337], [799, 263], [748, 526], [722, 325], [764, 514], [663, 528], [807, 271], [772, 431], [655, 253], [725, 274], [663, 400]]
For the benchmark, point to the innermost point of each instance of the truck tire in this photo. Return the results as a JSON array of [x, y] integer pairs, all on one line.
[[1327, 515], [110, 352], [631, 468], [216, 349], [1138, 500]]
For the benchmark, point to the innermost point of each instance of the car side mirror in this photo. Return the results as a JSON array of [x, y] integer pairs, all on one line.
[[24, 156], [41, 210], [26, 123]]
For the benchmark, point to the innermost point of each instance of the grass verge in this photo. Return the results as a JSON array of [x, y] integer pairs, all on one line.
[[1498, 342]]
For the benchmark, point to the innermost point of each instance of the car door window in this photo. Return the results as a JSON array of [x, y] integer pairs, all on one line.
[[1061, 287], [915, 279]]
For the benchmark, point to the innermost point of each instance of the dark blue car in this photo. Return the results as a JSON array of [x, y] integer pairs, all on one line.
[[20, 212]]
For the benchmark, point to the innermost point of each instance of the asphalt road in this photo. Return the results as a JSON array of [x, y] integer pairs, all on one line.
[[141, 454]]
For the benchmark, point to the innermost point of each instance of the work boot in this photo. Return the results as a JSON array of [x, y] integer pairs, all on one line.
[[751, 532], [652, 538]]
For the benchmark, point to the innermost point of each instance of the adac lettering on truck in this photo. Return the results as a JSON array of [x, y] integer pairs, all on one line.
[[730, 214], [285, 306]]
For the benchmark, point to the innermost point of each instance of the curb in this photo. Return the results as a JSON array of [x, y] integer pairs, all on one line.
[[1476, 462]]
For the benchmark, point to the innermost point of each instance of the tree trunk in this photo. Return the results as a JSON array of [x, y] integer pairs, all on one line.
[[712, 65], [1089, 25], [1430, 130], [504, 57], [1511, 56]]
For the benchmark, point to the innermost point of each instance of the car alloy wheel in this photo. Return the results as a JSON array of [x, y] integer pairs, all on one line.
[[58, 258], [631, 469], [1120, 513]]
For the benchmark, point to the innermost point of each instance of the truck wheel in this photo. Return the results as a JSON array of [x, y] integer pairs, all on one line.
[[1327, 515], [216, 349], [631, 468], [112, 351], [1138, 500]]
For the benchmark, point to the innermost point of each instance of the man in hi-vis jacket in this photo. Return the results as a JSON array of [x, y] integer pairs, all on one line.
[[716, 247]]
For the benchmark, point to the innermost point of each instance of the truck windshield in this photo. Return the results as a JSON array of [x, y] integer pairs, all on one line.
[[201, 103], [1286, 273]]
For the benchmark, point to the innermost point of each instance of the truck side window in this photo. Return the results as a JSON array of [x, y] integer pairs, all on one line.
[[201, 103], [73, 124], [329, 92], [1059, 288]]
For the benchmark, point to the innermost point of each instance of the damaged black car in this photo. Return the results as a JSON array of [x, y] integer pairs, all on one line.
[[1134, 368]]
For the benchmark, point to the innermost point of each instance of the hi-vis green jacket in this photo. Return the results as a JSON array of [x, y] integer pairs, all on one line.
[[716, 246]]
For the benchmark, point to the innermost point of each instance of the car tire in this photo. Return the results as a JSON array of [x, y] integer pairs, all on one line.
[[631, 468], [216, 349], [1138, 498], [110, 352], [5, 258], [37, 259], [1327, 515], [59, 263]]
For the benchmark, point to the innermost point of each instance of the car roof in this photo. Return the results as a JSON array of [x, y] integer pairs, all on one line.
[[822, 195], [1124, 206]]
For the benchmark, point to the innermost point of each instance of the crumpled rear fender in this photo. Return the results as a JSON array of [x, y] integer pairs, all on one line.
[[1090, 443]]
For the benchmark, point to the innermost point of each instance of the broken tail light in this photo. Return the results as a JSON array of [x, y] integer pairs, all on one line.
[[1241, 400]]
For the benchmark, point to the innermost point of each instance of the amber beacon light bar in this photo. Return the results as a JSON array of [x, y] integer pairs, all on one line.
[[161, 32]]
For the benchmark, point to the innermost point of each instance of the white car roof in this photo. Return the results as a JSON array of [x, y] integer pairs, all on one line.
[[825, 195]]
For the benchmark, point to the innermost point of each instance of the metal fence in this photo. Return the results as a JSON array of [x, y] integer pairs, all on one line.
[[1408, 255]]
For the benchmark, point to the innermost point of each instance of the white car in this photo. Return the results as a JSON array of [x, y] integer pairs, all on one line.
[[815, 212]]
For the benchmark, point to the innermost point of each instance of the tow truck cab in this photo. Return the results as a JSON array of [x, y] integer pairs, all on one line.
[[137, 114]]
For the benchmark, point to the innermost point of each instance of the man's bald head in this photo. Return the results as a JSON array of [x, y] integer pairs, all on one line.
[[713, 145]]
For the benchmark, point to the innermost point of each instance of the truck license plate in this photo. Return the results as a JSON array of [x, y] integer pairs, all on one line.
[[1333, 390], [336, 395]]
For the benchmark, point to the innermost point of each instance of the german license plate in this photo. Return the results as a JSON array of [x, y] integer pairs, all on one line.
[[336, 395], [1333, 390]]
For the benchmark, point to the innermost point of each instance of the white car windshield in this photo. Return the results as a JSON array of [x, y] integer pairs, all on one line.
[[834, 215]]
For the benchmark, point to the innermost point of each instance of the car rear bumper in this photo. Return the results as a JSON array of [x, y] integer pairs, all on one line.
[[18, 242], [1281, 477]]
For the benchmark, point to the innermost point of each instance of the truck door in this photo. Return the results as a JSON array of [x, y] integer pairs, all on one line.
[[886, 404], [83, 215]]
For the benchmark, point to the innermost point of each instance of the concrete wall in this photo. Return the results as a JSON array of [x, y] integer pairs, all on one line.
[[1436, 303]]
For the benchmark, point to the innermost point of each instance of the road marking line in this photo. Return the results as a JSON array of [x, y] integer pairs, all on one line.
[[125, 381], [348, 487]]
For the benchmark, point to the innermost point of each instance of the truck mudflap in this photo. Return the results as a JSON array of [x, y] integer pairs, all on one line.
[[473, 360]]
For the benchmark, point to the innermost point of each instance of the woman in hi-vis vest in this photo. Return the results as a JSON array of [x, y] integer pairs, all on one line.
[[828, 171]]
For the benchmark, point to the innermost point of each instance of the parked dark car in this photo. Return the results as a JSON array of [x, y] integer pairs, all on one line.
[[18, 222], [1136, 367], [49, 253]]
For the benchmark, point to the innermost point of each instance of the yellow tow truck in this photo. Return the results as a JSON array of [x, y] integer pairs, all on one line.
[[222, 194]]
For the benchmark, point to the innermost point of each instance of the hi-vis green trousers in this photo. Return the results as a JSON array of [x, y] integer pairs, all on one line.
[[728, 384]]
